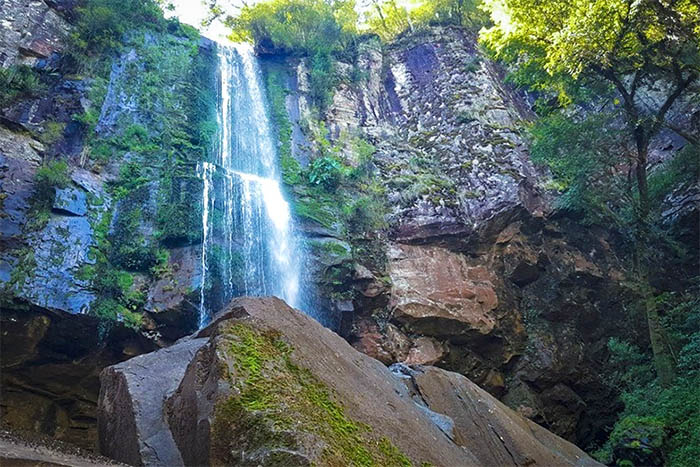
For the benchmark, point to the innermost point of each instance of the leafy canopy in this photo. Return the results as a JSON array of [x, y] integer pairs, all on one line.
[[101, 24], [389, 18], [559, 41], [307, 26], [313, 28]]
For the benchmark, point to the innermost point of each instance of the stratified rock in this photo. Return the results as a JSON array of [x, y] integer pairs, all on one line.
[[436, 291], [266, 385], [496, 434], [20, 157], [30, 30]]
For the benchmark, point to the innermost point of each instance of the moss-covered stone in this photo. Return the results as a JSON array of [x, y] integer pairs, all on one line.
[[279, 411]]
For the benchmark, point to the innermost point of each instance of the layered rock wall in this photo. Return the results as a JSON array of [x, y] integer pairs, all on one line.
[[476, 272]]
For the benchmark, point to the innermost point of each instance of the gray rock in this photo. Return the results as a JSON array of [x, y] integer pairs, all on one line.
[[31, 30], [131, 423], [60, 249], [71, 201]]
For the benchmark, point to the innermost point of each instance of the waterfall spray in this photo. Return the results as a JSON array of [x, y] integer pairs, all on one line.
[[254, 247]]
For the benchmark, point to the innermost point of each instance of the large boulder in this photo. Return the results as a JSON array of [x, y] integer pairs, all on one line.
[[496, 434], [267, 385]]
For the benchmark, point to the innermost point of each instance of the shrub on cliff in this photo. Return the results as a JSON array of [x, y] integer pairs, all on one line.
[[101, 24], [658, 425], [49, 177], [388, 18], [17, 82], [313, 28]]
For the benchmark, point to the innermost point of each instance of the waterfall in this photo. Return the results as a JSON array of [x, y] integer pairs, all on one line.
[[249, 246]]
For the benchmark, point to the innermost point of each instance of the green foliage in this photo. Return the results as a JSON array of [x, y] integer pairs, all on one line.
[[583, 156], [321, 79], [326, 172], [22, 270], [101, 25], [291, 169], [117, 297], [365, 214], [17, 82], [560, 43], [663, 418], [297, 26], [111, 310], [388, 18], [322, 209], [49, 177], [314, 28], [52, 132], [131, 250]]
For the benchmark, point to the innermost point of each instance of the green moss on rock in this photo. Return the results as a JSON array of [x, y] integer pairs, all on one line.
[[280, 412]]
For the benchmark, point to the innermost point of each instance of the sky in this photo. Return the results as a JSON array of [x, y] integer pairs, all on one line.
[[193, 12]]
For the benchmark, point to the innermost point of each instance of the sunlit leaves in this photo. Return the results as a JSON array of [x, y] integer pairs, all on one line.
[[571, 38], [307, 26]]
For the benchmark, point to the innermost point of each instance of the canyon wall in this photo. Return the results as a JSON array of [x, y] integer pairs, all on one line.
[[477, 271], [472, 269]]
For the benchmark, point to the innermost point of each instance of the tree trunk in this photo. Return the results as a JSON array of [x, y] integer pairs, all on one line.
[[664, 363], [663, 358], [642, 142]]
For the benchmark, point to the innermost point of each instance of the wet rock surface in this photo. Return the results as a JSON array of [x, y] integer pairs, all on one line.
[[212, 372], [50, 371]]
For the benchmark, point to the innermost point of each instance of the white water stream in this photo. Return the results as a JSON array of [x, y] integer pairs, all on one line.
[[247, 225]]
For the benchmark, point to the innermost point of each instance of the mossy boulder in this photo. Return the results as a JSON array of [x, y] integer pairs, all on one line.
[[266, 385]]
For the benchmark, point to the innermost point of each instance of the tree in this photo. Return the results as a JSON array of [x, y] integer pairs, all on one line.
[[645, 53], [312, 28], [388, 19]]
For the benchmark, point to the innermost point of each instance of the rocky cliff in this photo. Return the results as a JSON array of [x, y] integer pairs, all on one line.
[[475, 271], [97, 225], [441, 248]]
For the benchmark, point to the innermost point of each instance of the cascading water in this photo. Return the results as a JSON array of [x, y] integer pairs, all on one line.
[[248, 237]]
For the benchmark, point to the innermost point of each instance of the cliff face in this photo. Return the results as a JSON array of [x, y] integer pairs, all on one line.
[[472, 271], [98, 210], [476, 272]]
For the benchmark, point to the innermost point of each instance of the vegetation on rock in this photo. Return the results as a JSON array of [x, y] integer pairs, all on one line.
[[274, 397], [19, 82], [617, 53]]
